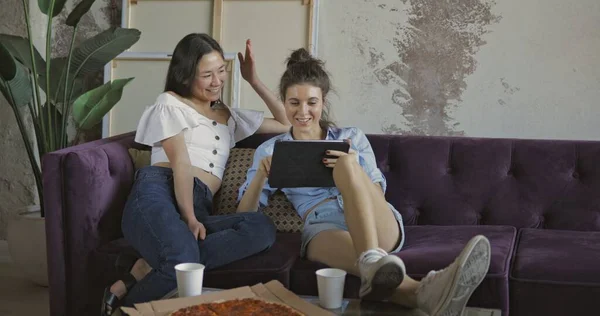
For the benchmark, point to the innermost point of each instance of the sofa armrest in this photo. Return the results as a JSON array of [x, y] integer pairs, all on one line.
[[85, 190]]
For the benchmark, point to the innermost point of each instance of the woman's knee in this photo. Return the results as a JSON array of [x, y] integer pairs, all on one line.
[[190, 252], [184, 252], [345, 169], [261, 227]]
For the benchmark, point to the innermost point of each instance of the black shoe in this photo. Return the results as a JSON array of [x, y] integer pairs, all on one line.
[[110, 302], [124, 265]]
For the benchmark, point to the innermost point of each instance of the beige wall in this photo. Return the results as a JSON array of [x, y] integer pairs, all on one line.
[[515, 69], [528, 69]]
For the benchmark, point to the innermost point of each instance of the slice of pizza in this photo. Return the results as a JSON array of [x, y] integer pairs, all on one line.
[[246, 307], [250, 306], [194, 310]]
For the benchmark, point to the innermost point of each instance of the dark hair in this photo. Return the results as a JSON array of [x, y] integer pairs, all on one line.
[[187, 54], [304, 68]]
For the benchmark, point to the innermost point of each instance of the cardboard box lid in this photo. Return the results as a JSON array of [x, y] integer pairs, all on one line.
[[272, 291]]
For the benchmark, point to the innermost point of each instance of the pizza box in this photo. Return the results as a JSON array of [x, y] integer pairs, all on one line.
[[272, 291]]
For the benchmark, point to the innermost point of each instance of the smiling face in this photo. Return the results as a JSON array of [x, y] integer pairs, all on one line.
[[304, 107], [210, 76]]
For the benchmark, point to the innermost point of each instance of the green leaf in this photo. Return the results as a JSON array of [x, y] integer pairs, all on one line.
[[80, 10], [19, 47], [57, 66], [55, 118], [92, 106], [94, 53], [8, 66], [15, 78], [3, 88], [45, 6]]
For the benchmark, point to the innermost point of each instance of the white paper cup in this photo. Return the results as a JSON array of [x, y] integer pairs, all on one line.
[[330, 283], [189, 279]]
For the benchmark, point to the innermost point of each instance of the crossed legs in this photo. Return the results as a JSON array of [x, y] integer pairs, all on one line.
[[372, 225]]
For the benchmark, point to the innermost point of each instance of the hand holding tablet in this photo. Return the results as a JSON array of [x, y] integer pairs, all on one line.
[[299, 163]]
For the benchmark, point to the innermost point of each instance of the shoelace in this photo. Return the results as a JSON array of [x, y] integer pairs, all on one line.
[[428, 279], [370, 256]]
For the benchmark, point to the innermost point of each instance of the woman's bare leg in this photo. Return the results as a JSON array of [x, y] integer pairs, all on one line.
[[444, 293], [369, 222], [406, 293], [368, 216], [335, 249]]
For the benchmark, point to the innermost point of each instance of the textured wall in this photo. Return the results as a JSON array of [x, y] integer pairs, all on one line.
[[17, 185], [509, 68]]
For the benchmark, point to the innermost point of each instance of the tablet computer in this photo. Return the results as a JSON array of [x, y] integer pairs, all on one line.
[[299, 163]]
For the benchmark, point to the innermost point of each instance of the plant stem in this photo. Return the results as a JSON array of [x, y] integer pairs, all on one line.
[[34, 165], [51, 130], [36, 128], [65, 107], [76, 139], [42, 148]]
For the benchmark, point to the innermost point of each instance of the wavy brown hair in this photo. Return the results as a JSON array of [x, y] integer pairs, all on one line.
[[303, 68]]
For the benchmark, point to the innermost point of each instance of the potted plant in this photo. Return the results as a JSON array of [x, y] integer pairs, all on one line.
[[24, 75]]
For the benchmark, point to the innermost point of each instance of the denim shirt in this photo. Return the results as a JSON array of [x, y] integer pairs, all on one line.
[[304, 199]]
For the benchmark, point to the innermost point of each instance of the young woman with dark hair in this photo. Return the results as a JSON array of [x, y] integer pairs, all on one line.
[[191, 131]]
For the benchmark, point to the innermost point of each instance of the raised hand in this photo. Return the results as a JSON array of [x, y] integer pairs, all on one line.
[[247, 65]]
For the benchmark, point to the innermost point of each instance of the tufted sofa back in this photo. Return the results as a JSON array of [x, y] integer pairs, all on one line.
[[552, 184]]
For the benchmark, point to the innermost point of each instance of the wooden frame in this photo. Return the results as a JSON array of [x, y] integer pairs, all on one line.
[[233, 67], [217, 19], [165, 38], [313, 23], [235, 81]]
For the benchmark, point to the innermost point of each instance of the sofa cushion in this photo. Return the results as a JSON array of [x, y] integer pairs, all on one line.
[[139, 157], [557, 256], [432, 248], [238, 163], [279, 209], [484, 181], [555, 266], [283, 214], [271, 264]]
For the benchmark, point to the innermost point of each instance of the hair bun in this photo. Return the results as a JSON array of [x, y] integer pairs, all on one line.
[[300, 55]]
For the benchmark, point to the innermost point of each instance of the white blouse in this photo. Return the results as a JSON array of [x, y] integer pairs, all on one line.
[[208, 142]]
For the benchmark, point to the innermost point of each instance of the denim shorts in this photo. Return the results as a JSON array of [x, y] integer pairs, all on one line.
[[330, 215]]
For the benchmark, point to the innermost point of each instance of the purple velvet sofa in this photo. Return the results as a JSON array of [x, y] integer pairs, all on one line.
[[538, 201]]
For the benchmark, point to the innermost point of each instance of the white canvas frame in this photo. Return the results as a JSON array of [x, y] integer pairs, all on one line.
[[234, 80], [313, 23]]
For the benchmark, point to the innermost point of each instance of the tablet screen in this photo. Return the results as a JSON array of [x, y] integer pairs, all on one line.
[[299, 163]]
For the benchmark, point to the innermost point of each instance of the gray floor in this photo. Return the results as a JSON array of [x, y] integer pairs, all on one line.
[[19, 297]]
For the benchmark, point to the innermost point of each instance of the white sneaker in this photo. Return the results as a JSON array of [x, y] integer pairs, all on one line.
[[446, 292], [380, 274]]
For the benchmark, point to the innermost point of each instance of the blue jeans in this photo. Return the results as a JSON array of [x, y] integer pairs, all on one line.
[[154, 227]]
